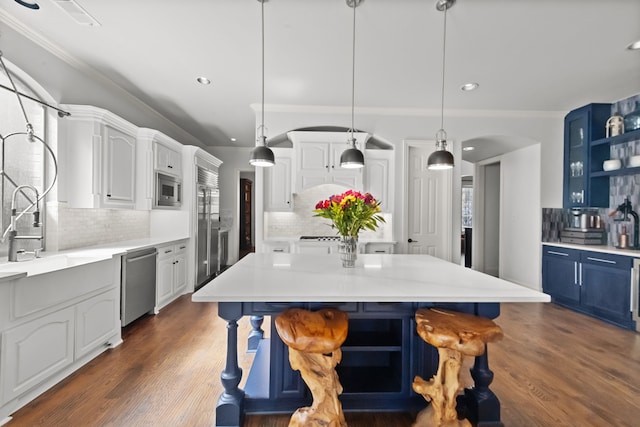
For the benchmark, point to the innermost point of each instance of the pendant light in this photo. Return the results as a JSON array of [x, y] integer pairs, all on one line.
[[262, 155], [441, 158], [352, 157]]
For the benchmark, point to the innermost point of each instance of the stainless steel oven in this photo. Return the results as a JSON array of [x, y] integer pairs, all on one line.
[[168, 191]]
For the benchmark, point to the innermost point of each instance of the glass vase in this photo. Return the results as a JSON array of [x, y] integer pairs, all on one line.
[[348, 249]]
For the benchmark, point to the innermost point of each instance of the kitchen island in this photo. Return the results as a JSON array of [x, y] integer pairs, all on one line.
[[382, 353]]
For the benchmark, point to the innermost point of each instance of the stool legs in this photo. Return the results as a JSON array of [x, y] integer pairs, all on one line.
[[318, 372], [441, 391]]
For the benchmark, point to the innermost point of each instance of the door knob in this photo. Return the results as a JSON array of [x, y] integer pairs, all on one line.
[[412, 241]]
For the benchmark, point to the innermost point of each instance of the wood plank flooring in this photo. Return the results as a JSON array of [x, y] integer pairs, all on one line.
[[554, 368]]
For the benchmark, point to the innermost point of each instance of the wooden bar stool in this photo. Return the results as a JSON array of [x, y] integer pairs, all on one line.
[[314, 340], [455, 335]]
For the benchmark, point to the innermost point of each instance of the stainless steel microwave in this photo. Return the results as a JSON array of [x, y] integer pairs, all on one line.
[[168, 191]]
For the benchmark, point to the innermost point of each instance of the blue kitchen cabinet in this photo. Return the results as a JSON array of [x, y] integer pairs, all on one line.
[[560, 275], [581, 126], [606, 287], [594, 283]]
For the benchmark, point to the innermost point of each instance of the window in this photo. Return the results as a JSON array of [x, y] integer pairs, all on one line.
[[467, 202], [22, 162]]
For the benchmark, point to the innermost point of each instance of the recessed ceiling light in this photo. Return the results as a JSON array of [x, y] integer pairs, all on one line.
[[233, 139], [469, 86], [469, 148], [634, 46], [203, 80], [30, 4]]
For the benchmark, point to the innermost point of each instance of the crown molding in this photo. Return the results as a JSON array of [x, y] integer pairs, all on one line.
[[417, 112]]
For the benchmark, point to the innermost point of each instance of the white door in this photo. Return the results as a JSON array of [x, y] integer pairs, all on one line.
[[429, 204]]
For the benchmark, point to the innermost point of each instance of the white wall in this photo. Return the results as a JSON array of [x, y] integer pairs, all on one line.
[[521, 225], [491, 220]]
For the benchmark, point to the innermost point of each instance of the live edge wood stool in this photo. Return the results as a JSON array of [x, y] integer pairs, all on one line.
[[455, 335], [314, 339]]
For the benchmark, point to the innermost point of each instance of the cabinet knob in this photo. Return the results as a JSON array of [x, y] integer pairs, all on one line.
[[327, 166]]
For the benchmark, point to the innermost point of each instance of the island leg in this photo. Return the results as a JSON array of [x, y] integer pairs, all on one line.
[[230, 407], [483, 405], [256, 334]]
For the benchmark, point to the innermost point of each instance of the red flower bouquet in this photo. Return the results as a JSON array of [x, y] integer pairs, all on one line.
[[351, 212]]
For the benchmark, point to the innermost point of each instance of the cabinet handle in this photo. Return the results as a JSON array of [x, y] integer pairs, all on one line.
[[182, 247], [557, 253], [108, 195], [580, 275], [278, 250], [380, 251], [170, 167], [608, 261], [168, 251], [575, 273]]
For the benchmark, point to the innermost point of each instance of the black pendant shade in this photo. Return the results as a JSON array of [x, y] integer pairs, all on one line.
[[262, 155], [440, 159], [352, 158]]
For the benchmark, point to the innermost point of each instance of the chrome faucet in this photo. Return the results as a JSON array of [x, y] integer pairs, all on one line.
[[12, 230]]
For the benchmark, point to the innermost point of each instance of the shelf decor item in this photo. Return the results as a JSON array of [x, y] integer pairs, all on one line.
[[350, 213], [615, 125]]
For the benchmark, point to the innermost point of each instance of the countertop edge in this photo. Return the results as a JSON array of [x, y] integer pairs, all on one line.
[[596, 248], [17, 270]]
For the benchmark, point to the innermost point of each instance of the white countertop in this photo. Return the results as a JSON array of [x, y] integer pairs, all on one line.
[[284, 277], [596, 248], [52, 261]]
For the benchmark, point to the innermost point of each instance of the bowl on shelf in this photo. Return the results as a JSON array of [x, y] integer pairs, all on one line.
[[634, 161], [611, 165]]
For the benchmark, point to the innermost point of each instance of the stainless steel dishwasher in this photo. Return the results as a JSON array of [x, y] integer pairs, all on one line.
[[138, 284]]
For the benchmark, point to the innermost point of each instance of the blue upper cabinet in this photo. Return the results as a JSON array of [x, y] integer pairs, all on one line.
[[581, 126]]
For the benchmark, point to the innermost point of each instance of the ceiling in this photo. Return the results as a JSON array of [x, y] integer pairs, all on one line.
[[527, 55]]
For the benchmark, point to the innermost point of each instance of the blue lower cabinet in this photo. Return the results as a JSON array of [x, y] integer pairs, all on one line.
[[606, 287], [594, 283], [560, 275]]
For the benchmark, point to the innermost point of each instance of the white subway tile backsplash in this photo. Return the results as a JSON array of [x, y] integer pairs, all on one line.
[[87, 227], [302, 222]]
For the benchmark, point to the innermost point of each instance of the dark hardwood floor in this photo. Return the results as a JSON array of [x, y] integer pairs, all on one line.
[[553, 368]]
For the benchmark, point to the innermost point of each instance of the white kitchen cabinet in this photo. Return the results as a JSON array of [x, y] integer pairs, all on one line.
[[378, 177], [276, 246], [167, 160], [378, 247], [54, 322], [100, 169], [277, 182], [96, 322], [156, 153], [319, 163], [171, 274], [34, 351]]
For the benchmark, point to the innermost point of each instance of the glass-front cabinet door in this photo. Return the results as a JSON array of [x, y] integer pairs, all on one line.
[[581, 126], [575, 158]]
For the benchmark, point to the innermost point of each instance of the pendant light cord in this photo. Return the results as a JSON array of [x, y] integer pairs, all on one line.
[[444, 43], [353, 71], [262, 110]]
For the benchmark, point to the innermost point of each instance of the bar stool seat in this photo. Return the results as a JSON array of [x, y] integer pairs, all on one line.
[[314, 339], [455, 335]]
